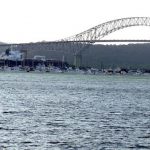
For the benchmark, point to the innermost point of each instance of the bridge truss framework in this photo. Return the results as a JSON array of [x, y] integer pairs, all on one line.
[[83, 40]]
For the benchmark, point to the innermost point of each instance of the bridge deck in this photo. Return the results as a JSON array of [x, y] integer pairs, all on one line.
[[86, 41]]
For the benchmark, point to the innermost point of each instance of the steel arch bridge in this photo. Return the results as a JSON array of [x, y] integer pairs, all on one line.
[[98, 32], [95, 34], [80, 42]]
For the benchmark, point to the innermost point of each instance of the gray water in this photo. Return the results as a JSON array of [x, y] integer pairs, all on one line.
[[71, 112]]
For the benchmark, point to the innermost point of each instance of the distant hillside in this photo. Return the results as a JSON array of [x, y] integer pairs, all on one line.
[[132, 55], [1, 43]]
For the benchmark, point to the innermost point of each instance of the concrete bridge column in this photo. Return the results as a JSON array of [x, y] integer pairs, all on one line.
[[77, 60]]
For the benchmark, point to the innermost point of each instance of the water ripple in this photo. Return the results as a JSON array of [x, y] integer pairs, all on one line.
[[74, 112]]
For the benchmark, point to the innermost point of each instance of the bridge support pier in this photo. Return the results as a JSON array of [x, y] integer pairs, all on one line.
[[77, 60]]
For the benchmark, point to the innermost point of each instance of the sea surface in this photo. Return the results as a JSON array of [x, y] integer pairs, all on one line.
[[43, 111]]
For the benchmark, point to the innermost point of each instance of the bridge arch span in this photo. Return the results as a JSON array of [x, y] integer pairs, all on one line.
[[100, 31]]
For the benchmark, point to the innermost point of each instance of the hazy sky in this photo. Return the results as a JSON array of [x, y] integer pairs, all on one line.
[[37, 20]]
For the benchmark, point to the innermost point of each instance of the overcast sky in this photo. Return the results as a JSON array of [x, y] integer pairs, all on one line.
[[38, 20]]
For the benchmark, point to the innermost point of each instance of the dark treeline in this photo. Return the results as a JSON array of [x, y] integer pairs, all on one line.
[[129, 56], [99, 56]]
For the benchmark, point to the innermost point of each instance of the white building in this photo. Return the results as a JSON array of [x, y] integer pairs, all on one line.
[[38, 57], [12, 55]]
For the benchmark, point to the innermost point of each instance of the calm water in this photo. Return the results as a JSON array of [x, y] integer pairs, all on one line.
[[71, 112]]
